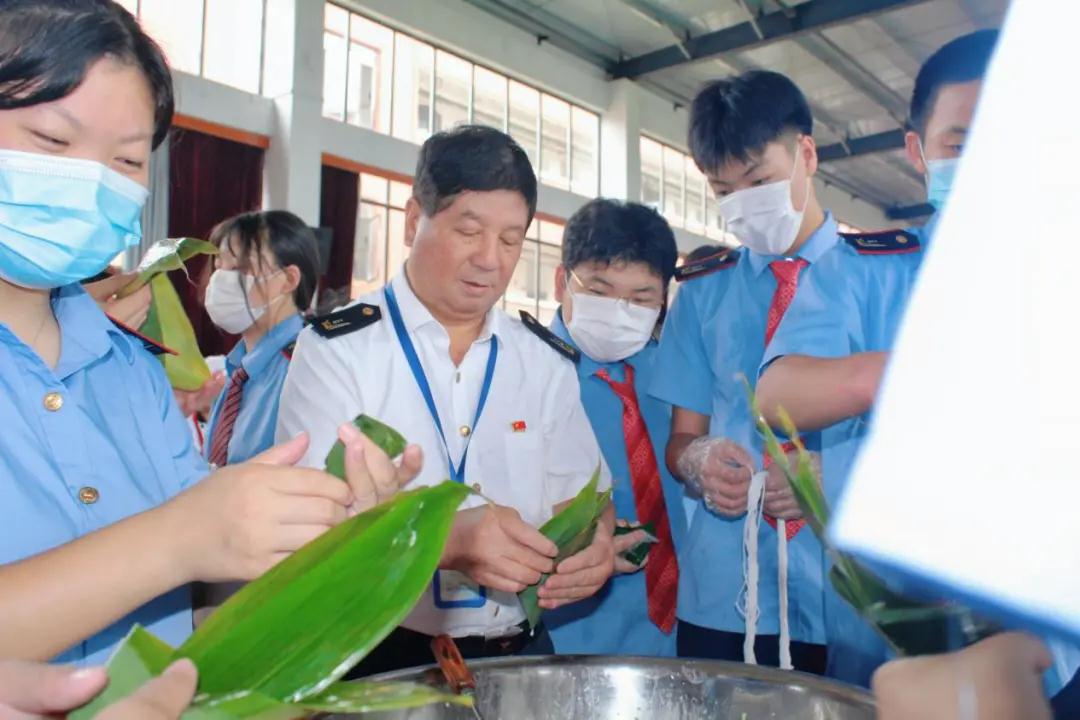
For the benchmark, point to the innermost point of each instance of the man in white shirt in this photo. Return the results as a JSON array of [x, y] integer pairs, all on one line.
[[490, 401]]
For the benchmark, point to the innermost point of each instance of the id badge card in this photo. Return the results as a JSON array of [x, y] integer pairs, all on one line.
[[455, 590]]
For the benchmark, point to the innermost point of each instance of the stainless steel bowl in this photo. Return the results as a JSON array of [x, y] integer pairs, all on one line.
[[606, 688]]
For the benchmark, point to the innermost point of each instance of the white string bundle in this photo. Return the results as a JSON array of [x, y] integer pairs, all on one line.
[[748, 598]]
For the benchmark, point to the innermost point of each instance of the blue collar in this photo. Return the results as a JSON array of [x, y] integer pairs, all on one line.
[[827, 235], [926, 232], [86, 333], [258, 358], [586, 365]]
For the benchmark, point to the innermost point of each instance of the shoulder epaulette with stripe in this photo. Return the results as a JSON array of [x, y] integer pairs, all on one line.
[[885, 242], [554, 341], [151, 346], [346, 320], [288, 350], [720, 261]]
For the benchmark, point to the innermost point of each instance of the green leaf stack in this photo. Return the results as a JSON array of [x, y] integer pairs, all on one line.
[[276, 648], [572, 531], [908, 626]]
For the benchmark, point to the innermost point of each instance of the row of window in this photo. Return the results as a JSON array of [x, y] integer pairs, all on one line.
[[672, 183], [390, 82], [379, 249]]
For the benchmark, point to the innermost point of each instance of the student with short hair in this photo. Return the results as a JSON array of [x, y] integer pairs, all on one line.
[[618, 259], [492, 401], [751, 136]]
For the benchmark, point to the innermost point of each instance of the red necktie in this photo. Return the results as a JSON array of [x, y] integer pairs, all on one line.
[[787, 281], [230, 409], [662, 570]]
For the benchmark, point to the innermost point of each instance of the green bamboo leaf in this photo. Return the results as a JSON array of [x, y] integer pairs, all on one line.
[[138, 658], [572, 531], [168, 324], [387, 438], [166, 256], [302, 625]]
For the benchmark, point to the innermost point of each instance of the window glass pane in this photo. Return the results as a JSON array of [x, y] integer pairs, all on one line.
[[369, 250], [712, 211], [234, 42], [453, 83], [336, 23], [373, 188], [397, 253], [130, 5], [674, 163], [414, 65], [554, 155], [524, 115], [651, 161], [533, 233], [551, 232], [521, 292], [399, 193], [695, 197], [489, 98], [371, 53], [177, 26], [583, 151], [550, 257]]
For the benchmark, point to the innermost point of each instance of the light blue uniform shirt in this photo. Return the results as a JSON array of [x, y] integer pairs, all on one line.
[[266, 366], [118, 431], [616, 621], [715, 336], [853, 302]]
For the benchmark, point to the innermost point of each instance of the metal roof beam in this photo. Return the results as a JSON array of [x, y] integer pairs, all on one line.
[[774, 26], [866, 145], [910, 212]]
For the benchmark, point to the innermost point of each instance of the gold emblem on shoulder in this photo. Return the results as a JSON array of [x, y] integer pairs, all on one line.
[[901, 239], [367, 311]]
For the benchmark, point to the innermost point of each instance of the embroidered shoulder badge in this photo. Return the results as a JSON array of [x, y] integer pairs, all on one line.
[[554, 341], [886, 242], [150, 345], [720, 261], [346, 320]]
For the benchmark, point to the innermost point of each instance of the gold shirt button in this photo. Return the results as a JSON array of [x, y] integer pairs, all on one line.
[[88, 495], [53, 401], [465, 431]]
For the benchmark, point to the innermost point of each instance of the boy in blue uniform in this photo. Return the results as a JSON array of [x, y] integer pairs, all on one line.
[[752, 137], [617, 262], [826, 359]]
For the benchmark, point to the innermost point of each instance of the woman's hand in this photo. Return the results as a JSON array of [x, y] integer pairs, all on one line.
[[131, 310]]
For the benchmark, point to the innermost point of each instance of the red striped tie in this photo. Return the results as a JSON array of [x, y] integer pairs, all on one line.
[[230, 409], [662, 570], [787, 281]]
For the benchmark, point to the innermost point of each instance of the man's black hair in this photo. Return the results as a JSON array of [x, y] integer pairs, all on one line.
[[611, 231], [47, 47], [735, 118], [471, 158], [964, 59], [289, 240]]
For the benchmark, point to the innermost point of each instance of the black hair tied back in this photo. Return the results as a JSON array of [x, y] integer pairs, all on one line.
[[47, 47]]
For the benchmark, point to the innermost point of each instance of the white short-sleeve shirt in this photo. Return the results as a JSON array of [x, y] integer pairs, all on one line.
[[532, 448]]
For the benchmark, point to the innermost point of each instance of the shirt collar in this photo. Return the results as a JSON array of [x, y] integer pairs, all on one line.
[[586, 365], [415, 314], [927, 231], [815, 246], [86, 332], [256, 359]]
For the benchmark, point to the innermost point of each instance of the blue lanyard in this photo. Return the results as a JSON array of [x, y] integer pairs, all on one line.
[[457, 474]]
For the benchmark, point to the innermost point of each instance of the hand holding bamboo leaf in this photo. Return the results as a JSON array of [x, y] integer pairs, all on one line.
[[364, 457], [493, 546]]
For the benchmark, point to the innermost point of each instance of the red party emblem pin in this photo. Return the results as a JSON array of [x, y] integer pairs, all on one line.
[[518, 426]]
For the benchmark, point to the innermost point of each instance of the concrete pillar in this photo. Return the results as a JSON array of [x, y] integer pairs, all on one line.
[[292, 79], [620, 146]]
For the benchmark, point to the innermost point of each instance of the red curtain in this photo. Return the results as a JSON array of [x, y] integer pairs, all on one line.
[[210, 179], [338, 205]]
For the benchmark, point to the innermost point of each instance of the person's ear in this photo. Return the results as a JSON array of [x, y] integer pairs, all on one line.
[[808, 148], [560, 283], [292, 278], [413, 213], [914, 150]]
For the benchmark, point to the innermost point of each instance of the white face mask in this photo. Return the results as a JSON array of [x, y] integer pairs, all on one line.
[[227, 301], [763, 218], [609, 329]]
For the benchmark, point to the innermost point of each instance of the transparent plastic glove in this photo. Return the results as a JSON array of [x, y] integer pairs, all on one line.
[[718, 470]]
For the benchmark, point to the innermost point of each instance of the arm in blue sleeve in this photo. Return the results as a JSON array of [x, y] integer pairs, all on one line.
[[683, 376]]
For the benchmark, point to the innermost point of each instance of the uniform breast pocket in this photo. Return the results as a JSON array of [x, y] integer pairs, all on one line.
[[514, 474]]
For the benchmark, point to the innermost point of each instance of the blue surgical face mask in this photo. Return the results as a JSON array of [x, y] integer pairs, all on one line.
[[63, 220], [939, 178]]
